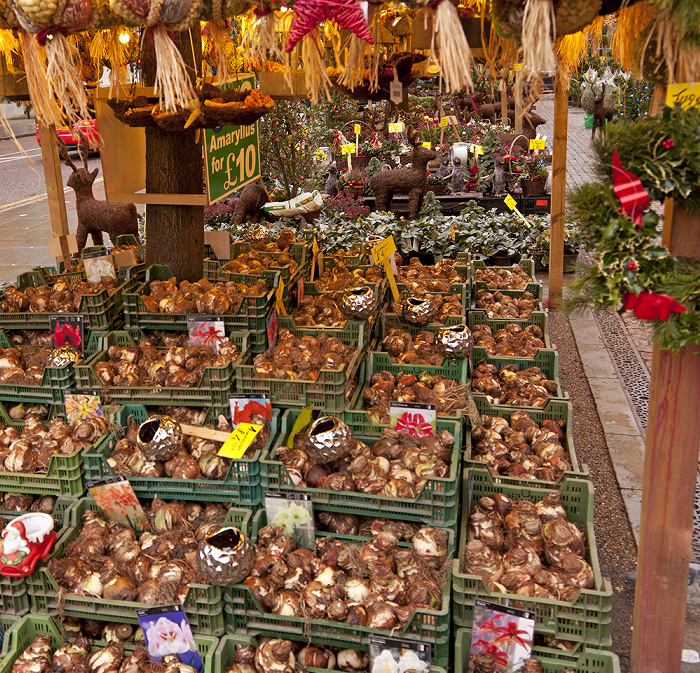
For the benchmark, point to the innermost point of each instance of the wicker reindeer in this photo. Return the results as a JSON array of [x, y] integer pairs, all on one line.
[[96, 217], [601, 113], [412, 181]]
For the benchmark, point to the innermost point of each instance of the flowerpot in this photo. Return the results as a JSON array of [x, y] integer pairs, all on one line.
[[534, 187], [360, 162], [354, 190], [570, 261]]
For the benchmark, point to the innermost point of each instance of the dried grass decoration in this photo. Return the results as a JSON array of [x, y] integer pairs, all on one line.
[[53, 76], [449, 38], [162, 17], [539, 22], [211, 109], [8, 20]]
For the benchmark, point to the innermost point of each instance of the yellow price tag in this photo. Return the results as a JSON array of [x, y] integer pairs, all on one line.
[[348, 149], [279, 302], [392, 280], [426, 145], [444, 121], [510, 201], [383, 250], [518, 67], [537, 144], [396, 127], [303, 419], [358, 129], [685, 95], [314, 246], [239, 440], [478, 149]]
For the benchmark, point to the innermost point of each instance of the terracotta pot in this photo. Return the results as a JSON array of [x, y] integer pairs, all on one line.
[[534, 187]]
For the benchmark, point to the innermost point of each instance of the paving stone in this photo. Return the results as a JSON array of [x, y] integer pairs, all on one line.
[[614, 410]]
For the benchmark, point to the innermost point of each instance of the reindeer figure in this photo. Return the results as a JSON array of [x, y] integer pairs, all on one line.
[[412, 181], [601, 113], [96, 217]]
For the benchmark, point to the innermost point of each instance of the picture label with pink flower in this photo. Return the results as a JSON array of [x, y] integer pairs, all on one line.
[[116, 501], [82, 404], [502, 633], [168, 632], [206, 331], [418, 420]]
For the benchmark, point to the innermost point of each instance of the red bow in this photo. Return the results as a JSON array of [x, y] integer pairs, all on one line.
[[652, 306], [67, 333], [43, 35], [628, 188]]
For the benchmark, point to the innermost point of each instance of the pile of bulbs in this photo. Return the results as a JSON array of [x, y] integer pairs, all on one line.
[[143, 364], [403, 348], [30, 450], [527, 388], [441, 306], [24, 366], [511, 341], [498, 305], [201, 297], [63, 297], [498, 278], [436, 278], [253, 263], [341, 278]]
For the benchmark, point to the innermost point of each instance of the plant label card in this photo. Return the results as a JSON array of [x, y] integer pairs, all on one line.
[[98, 265], [239, 440], [357, 129], [303, 419], [67, 330], [272, 329], [396, 127], [82, 404], [348, 149], [206, 331], [418, 420], [503, 632], [116, 500], [294, 512], [398, 655], [300, 291], [244, 408], [124, 258], [167, 632]]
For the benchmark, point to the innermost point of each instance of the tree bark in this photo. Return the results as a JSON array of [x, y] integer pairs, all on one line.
[[174, 165]]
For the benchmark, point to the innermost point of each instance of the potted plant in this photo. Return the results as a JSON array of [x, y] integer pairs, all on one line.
[[354, 182], [436, 185], [572, 247], [532, 171]]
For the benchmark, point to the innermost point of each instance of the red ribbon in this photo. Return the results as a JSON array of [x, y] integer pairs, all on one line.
[[43, 35], [628, 188], [652, 306]]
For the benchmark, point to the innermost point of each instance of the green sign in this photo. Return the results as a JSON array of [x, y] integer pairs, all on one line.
[[231, 153]]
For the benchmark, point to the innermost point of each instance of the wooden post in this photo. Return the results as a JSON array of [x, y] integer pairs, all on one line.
[[503, 88], [668, 495], [558, 202], [54, 190], [518, 101]]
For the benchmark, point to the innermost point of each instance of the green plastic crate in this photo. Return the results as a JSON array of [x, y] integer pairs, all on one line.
[[527, 265], [328, 392], [359, 422], [203, 603], [225, 652], [539, 318], [582, 659], [554, 409], [22, 633], [390, 320], [245, 615], [65, 475], [100, 311], [588, 617], [14, 594], [533, 288], [436, 504], [241, 485], [251, 316], [213, 390], [49, 391]]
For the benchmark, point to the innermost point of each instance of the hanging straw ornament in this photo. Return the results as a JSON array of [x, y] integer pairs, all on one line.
[[8, 19], [163, 17], [261, 38], [354, 52], [54, 80], [449, 38], [217, 14]]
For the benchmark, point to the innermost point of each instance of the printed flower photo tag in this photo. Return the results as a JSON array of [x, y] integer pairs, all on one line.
[[418, 420], [294, 512]]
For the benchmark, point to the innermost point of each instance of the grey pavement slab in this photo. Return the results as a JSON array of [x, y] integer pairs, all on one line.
[[597, 363], [614, 410]]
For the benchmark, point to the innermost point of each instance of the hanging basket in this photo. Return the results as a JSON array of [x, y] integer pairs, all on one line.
[[571, 15], [354, 190], [534, 187]]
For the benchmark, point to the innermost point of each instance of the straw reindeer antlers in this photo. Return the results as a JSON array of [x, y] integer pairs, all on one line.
[[82, 151]]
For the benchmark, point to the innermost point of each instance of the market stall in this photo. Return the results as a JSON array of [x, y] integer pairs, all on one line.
[[323, 438]]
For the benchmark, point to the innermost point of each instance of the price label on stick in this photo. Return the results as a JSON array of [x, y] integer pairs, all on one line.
[[444, 121], [426, 145], [303, 419], [478, 149], [537, 144], [348, 149], [518, 67], [396, 127], [314, 249], [239, 440], [510, 202], [279, 301], [358, 129], [383, 250], [684, 95]]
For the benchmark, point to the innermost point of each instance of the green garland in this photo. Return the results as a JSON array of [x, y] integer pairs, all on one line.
[[664, 152], [629, 260]]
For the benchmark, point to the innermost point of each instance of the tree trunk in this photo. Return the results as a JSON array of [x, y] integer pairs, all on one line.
[[174, 165]]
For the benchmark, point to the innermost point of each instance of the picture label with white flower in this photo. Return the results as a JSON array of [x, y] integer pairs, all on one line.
[[503, 634], [418, 420], [395, 655], [168, 632], [294, 513], [98, 265]]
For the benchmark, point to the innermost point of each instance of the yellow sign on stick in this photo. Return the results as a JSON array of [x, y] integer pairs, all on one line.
[[396, 127], [279, 302], [392, 280], [537, 144], [383, 250], [510, 202], [358, 129], [426, 145], [348, 149], [517, 67], [444, 121], [239, 441]]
